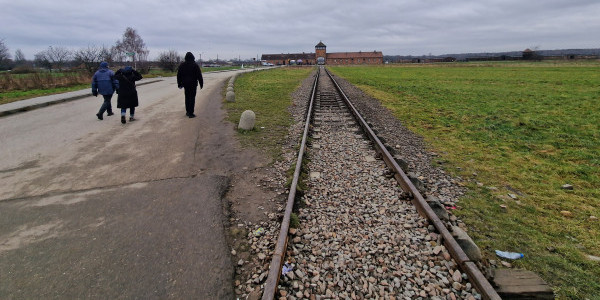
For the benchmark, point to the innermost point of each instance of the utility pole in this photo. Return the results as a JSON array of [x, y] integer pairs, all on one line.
[[201, 58]]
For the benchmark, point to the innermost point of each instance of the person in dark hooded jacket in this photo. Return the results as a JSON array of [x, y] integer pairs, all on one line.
[[105, 84], [188, 78], [128, 97]]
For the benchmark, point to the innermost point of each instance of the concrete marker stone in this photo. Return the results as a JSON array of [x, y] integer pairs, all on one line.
[[230, 96], [247, 120]]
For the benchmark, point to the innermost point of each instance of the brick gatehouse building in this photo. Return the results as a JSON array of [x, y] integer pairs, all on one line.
[[322, 57]]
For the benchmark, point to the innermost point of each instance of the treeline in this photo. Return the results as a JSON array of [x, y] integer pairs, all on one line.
[[130, 49], [535, 54]]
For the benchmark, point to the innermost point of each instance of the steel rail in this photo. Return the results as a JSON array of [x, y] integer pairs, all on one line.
[[468, 266], [270, 287]]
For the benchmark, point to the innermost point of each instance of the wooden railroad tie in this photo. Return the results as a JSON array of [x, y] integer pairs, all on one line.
[[521, 284]]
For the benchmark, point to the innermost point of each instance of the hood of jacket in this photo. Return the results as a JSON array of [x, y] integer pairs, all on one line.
[[103, 65], [128, 69], [189, 57]]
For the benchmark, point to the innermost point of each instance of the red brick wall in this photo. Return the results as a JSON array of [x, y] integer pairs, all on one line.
[[355, 61], [321, 53]]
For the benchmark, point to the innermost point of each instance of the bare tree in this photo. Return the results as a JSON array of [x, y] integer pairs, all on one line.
[[19, 58], [90, 57], [4, 55], [58, 56], [169, 60], [107, 55], [116, 54], [132, 45], [41, 60]]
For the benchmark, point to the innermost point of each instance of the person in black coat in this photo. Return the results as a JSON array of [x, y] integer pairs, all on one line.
[[128, 97], [188, 78]]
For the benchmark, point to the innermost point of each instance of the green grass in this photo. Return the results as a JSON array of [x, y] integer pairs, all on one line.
[[164, 73], [529, 127], [14, 87], [12, 96], [268, 95], [223, 68]]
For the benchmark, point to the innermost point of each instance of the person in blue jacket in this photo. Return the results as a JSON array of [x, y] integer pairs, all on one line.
[[105, 84]]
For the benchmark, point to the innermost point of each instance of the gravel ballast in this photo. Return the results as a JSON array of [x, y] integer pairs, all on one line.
[[358, 236]]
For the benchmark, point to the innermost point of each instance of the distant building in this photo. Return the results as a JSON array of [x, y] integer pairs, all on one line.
[[529, 54], [322, 57], [285, 59]]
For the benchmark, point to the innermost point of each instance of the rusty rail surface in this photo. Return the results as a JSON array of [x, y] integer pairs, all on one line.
[[468, 266], [270, 287]]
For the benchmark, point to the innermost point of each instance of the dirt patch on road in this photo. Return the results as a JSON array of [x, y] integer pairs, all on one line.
[[256, 191]]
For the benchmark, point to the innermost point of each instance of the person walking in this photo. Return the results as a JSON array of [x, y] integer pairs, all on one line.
[[128, 97], [188, 78], [105, 84]]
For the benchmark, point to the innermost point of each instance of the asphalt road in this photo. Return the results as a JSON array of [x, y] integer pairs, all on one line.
[[104, 210]]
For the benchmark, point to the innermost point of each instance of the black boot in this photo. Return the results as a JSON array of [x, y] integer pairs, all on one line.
[[123, 120], [99, 115], [109, 113]]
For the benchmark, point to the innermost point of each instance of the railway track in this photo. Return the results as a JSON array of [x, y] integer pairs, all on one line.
[[365, 231]]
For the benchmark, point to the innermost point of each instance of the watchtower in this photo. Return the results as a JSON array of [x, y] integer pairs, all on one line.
[[320, 52]]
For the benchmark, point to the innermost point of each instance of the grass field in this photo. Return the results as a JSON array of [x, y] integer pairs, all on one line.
[[15, 87], [268, 94], [165, 73], [12, 96], [523, 129]]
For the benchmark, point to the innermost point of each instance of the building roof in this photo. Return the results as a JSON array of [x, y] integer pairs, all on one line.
[[320, 44], [343, 55], [282, 56]]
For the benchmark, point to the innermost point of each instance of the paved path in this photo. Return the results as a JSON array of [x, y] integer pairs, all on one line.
[[98, 209]]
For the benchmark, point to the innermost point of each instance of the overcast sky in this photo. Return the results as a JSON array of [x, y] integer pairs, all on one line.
[[249, 28]]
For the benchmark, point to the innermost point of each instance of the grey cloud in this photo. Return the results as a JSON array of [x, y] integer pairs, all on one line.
[[241, 28]]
